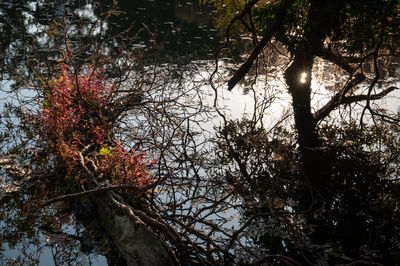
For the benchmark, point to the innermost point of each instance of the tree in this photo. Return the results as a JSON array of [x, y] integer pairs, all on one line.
[[87, 135], [319, 32], [72, 155], [331, 182]]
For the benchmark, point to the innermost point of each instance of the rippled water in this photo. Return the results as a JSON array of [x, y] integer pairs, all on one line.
[[182, 32]]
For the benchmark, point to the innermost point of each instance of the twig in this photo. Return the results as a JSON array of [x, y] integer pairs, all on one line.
[[242, 71], [96, 191]]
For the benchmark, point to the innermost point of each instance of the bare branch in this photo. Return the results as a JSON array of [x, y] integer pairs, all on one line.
[[335, 57], [332, 104], [94, 191], [245, 67], [337, 99], [364, 97], [240, 17]]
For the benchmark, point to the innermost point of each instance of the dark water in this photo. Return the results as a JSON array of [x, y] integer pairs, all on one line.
[[181, 30], [174, 32], [183, 27]]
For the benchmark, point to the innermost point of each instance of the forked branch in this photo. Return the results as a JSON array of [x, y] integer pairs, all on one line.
[[245, 67]]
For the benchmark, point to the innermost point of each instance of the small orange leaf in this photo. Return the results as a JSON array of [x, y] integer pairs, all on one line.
[[152, 190]]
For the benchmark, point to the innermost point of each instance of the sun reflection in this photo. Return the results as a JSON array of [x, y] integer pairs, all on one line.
[[303, 77]]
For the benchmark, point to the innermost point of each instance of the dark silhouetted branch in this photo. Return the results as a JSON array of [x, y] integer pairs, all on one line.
[[335, 57], [244, 69], [331, 105], [338, 98], [95, 191]]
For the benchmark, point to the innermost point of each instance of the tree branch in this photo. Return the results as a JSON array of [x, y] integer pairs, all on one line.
[[358, 98], [332, 104], [335, 57], [240, 17], [96, 191], [245, 67], [338, 98]]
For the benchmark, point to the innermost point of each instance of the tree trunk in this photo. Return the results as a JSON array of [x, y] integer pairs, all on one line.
[[132, 241], [298, 78], [321, 21]]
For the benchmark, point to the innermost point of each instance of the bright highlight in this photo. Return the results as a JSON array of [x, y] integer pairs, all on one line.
[[303, 77]]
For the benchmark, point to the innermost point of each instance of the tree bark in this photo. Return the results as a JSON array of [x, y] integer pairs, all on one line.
[[321, 21], [298, 79], [132, 240]]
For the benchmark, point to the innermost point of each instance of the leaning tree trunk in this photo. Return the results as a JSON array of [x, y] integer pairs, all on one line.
[[133, 242], [131, 239]]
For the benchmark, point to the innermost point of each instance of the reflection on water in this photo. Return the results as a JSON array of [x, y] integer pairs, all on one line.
[[181, 30]]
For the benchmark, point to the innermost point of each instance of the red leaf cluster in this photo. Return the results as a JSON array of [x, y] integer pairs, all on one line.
[[72, 117]]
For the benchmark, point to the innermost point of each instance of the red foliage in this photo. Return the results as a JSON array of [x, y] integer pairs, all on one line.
[[71, 118], [126, 167]]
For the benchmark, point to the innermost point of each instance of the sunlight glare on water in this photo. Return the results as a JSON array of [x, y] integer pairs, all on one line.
[[303, 77]]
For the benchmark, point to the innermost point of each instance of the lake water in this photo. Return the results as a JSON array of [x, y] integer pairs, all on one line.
[[182, 32]]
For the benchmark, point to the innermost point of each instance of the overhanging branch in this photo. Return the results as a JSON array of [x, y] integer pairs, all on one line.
[[335, 57], [334, 103], [358, 98], [338, 98], [240, 16], [244, 69]]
